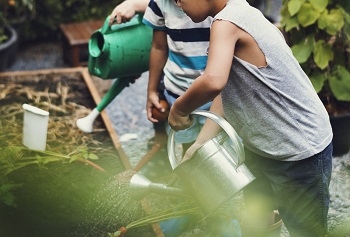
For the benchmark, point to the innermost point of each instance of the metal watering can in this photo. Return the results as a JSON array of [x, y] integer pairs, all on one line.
[[117, 52], [120, 50], [216, 171]]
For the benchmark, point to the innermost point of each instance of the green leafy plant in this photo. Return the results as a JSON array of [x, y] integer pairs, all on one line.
[[226, 212], [16, 157], [11, 11], [13, 158], [318, 32], [174, 212], [49, 15], [7, 195]]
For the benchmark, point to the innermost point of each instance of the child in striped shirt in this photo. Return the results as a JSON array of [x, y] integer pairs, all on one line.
[[178, 56]]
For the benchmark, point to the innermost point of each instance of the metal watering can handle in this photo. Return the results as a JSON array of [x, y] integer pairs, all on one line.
[[106, 28], [223, 124]]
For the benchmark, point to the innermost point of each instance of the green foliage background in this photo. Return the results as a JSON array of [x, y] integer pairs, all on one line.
[[319, 34], [44, 25]]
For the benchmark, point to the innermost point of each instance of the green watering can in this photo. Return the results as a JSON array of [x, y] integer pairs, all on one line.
[[117, 52], [120, 50]]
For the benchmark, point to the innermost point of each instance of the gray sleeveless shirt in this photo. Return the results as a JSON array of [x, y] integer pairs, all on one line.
[[274, 109]]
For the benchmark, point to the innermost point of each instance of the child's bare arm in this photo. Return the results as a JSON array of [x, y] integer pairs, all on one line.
[[209, 130], [158, 58], [223, 38]]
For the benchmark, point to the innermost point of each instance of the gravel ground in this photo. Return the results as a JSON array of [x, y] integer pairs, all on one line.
[[127, 113]]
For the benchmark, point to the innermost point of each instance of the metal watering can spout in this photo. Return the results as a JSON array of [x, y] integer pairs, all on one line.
[[140, 186]]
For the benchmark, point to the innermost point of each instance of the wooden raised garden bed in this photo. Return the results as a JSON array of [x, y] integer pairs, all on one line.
[[51, 193]]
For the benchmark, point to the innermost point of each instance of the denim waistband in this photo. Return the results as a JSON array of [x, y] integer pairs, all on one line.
[[172, 94]]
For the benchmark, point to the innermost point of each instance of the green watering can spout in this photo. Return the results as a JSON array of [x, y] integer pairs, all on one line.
[[120, 52]]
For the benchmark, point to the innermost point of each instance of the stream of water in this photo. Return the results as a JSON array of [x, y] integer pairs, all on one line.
[[111, 208]]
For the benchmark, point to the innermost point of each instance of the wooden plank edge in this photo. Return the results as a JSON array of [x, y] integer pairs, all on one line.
[[155, 226], [94, 93], [97, 98], [42, 71], [87, 77]]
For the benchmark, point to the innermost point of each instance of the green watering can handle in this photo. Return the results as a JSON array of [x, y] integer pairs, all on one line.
[[106, 28]]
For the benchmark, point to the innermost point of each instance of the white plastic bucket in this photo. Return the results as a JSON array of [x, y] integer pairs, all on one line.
[[35, 124]]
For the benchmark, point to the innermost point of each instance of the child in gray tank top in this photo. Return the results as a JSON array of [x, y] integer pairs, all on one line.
[[261, 90]]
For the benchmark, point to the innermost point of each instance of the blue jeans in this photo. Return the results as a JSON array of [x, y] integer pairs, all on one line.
[[297, 189]]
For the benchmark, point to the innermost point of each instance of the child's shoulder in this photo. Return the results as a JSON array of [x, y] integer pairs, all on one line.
[[170, 10], [167, 5]]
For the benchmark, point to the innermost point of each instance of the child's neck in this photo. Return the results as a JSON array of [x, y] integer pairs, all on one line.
[[217, 6]]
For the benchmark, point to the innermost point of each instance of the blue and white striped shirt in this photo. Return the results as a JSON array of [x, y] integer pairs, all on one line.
[[187, 41]]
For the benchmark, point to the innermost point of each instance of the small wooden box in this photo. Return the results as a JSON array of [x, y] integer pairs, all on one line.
[[76, 37]]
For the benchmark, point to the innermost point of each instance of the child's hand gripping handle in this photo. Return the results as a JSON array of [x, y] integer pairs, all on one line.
[[106, 28], [236, 144]]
